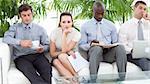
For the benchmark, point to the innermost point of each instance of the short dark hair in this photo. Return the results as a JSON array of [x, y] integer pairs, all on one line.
[[98, 4], [65, 14], [139, 2], [24, 7]]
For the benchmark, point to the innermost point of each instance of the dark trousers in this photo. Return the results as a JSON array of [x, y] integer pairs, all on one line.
[[143, 63], [35, 67], [98, 54]]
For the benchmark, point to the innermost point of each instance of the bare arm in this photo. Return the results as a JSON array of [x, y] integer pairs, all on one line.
[[53, 51], [67, 47]]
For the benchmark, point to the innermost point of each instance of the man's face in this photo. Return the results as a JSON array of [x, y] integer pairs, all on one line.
[[26, 16], [139, 10], [98, 13]]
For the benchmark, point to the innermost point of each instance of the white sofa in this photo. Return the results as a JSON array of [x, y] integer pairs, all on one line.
[[110, 71], [10, 75]]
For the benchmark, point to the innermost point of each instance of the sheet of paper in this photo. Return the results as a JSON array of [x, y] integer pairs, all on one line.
[[77, 63]]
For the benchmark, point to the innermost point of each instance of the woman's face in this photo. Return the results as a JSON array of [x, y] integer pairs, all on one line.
[[66, 22]]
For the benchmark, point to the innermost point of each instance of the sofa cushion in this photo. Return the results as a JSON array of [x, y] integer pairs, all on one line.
[[16, 77], [105, 71], [84, 72], [133, 71], [55, 73]]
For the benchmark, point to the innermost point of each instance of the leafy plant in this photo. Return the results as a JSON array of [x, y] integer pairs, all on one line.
[[119, 10], [9, 9]]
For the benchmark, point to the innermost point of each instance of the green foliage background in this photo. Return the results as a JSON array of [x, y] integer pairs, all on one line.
[[116, 10]]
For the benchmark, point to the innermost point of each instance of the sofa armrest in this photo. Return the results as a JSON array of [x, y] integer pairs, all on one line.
[[6, 58], [1, 76]]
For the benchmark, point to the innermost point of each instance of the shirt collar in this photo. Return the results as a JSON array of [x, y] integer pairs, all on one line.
[[136, 20], [95, 21], [29, 26]]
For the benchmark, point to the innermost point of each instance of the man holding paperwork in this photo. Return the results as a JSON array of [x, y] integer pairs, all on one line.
[[136, 29], [96, 34]]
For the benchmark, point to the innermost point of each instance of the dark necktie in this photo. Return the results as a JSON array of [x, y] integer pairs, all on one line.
[[26, 33]]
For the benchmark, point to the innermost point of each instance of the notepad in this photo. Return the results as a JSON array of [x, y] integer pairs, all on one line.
[[77, 63], [141, 49]]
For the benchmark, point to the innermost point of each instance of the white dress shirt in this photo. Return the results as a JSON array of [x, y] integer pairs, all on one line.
[[128, 32]]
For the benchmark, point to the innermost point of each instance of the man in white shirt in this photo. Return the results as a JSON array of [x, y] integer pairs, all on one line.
[[129, 32]]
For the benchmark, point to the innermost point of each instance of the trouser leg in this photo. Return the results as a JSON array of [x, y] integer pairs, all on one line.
[[143, 63], [27, 68], [117, 54], [43, 67], [121, 60], [95, 57]]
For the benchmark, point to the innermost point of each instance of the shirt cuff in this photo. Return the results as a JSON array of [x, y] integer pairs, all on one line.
[[18, 42]]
